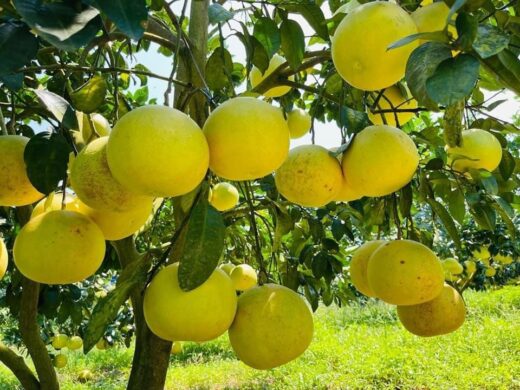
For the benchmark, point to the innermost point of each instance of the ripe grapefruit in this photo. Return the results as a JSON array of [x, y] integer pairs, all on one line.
[[479, 150], [243, 277], [248, 139], [224, 196], [405, 272], [359, 266], [157, 151], [59, 247], [207, 311], [15, 187], [273, 326], [299, 122]]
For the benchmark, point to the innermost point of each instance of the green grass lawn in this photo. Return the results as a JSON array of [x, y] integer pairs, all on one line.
[[354, 348]]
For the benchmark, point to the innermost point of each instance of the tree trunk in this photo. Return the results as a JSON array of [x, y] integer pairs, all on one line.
[[18, 367], [152, 354]]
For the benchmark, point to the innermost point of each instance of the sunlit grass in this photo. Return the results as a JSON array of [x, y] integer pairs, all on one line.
[[358, 347]]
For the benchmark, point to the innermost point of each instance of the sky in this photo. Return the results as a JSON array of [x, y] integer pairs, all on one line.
[[327, 134]]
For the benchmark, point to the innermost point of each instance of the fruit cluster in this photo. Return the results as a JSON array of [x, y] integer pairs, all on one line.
[[408, 274]]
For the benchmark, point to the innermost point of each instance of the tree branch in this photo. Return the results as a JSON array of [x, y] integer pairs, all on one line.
[[17, 365]]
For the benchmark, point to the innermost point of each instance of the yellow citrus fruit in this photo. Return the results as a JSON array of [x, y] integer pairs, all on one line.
[[299, 122], [381, 160], [15, 187], [101, 125], [273, 326], [479, 150], [452, 266], [243, 277], [502, 259], [257, 77], [490, 272], [433, 17], [4, 258], [114, 225], [359, 265], [347, 193], [248, 139], [75, 342], [471, 266], [405, 272], [59, 247], [60, 361], [85, 376], [481, 253], [227, 267], [310, 176], [391, 99], [207, 311], [176, 347], [53, 202], [157, 151], [102, 345], [360, 45], [224, 196], [443, 314], [60, 341], [94, 184]]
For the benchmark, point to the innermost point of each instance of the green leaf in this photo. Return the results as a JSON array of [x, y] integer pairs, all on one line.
[[506, 213], [453, 80], [293, 42], [12, 81], [268, 34], [218, 69], [61, 24], [467, 29], [354, 121], [446, 220], [202, 245], [484, 215], [489, 182], [507, 165], [437, 36], [105, 311], [46, 158], [313, 15], [59, 108], [90, 95], [218, 14], [421, 66], [457, 205], [17, 46], [406, 200], [489, 41], [129, 16], [458, 4]]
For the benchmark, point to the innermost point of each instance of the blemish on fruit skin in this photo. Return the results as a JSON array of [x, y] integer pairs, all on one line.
[[402, 262]]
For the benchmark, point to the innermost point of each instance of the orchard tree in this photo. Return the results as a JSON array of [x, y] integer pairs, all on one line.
[[125, 218]]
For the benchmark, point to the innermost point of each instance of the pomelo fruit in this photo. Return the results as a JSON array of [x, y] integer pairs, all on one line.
[[243, 277], [392, 98], [4, 258], [257, 77], [224, 196], [359, 266], [299, 122], [479, 150]]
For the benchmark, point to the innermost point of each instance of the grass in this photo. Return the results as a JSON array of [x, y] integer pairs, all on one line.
[[355, 347]]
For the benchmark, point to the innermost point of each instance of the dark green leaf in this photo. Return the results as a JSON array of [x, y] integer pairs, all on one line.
[[453, 80], [354, 121], [457, 206], [259, 57], [489, 182], [421, 66], [467, 27], [446, 220], [506, 213], [338, 229], [17, 46], [46, 157], [61, 24], [435, 164], [202, 245], [218, 14], [314, 16], [129, 16], [293, 42], [90, 95], [489, 41], [12, 81], [218, 69], [59, 107], [405, 201], [484, 215], [458, 4], [268, 34], [107, 308], [507, 165]]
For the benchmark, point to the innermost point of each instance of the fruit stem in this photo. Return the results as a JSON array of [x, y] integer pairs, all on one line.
[[2, 123]]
